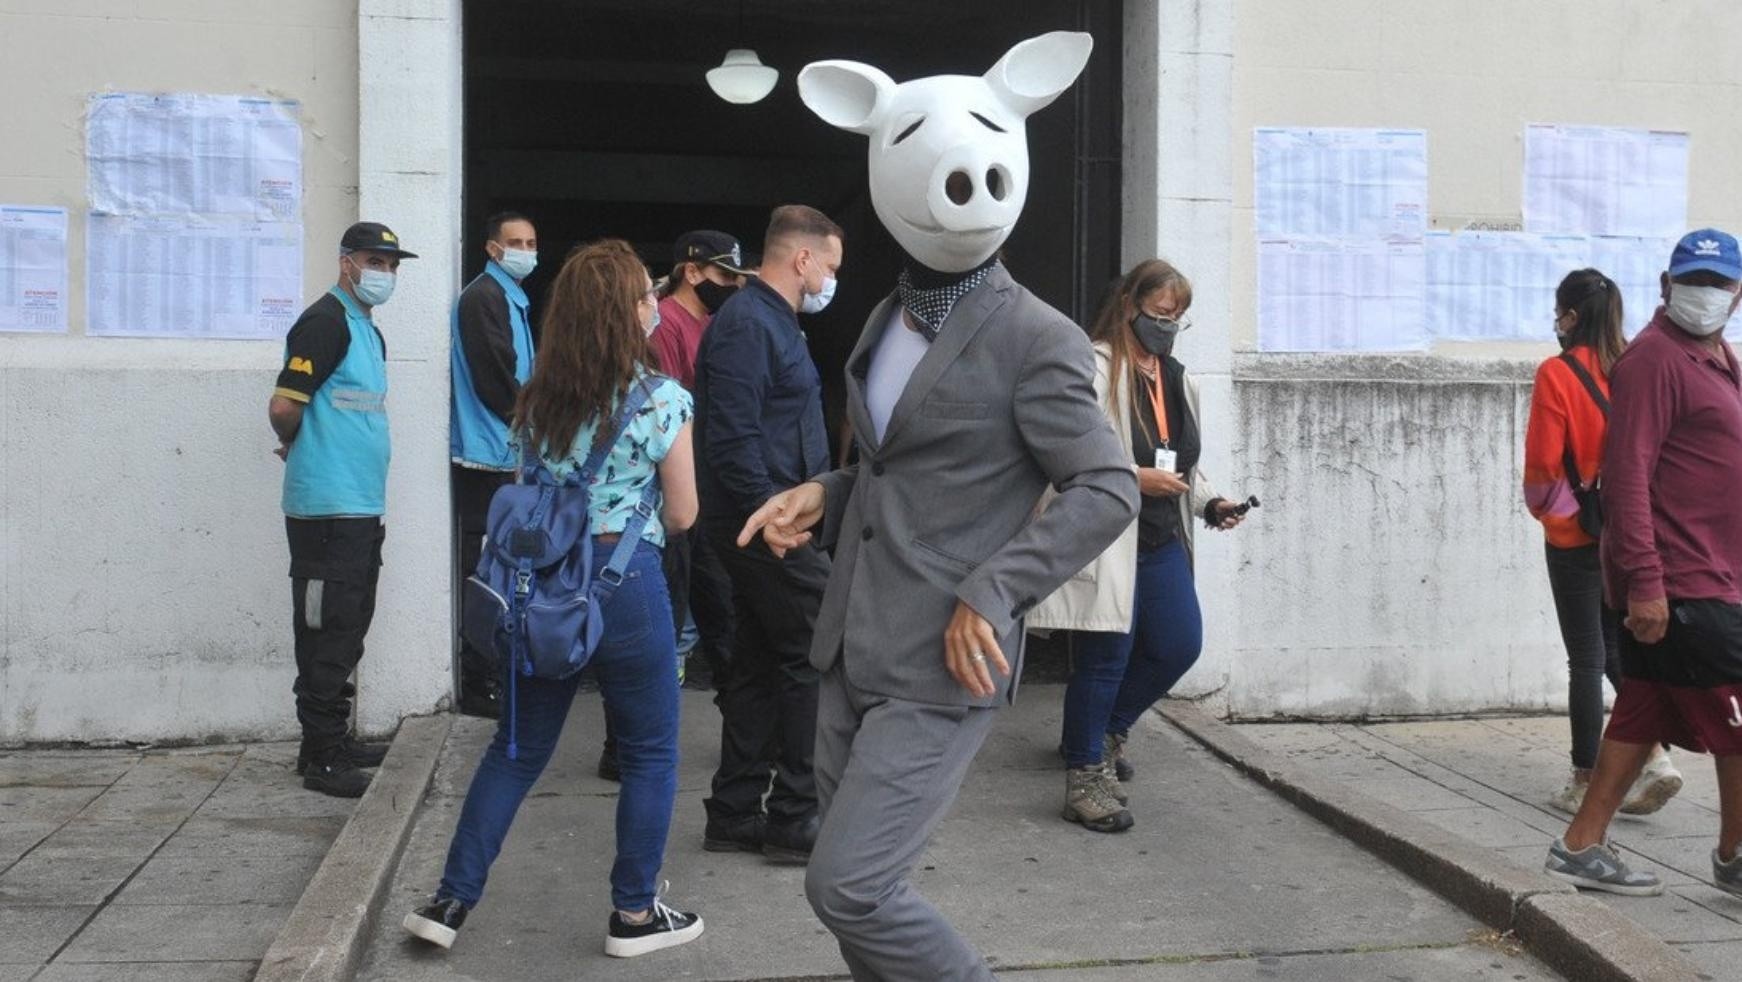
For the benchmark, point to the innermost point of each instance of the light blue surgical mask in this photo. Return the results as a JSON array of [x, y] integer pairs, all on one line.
[[813, 303], [518, 263], [373, 287], [653, 324]]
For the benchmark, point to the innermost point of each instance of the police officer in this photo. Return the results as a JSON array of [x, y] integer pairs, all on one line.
[[329, 411], [492, 358]]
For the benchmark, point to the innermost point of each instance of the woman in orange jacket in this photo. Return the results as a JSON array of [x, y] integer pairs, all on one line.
[[1563, 456]]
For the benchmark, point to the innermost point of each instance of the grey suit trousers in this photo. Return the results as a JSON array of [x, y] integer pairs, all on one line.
[[886, 771]]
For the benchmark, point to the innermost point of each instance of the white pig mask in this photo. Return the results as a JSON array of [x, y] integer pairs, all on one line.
[[949, 154]]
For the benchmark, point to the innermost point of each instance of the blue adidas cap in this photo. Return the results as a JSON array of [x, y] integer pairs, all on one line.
[[1707, 250]]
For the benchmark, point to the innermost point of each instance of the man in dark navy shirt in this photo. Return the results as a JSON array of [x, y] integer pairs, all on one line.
[[759, 413]]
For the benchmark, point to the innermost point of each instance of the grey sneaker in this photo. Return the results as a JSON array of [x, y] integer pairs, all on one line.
[[1599, 867], [1090, 803], [1727, 876]]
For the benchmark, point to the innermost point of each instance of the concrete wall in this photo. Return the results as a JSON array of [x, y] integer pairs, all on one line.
[[1393, 568], [143, 590]]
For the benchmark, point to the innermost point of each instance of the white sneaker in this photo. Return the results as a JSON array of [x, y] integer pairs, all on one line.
[[1570, 797], [1656, 784]]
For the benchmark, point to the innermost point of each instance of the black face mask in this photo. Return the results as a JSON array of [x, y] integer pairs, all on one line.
[[714, 295], [1156, 334]]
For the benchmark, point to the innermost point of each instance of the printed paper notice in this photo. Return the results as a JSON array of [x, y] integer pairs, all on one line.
[[1603, 180], [1340, 182], [192, 278], [33, 268], [1341, 294], [195, 154], [1497, 286], [1634, 264]]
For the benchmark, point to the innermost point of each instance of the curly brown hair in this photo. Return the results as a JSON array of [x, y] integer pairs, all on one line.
[[591, 346]]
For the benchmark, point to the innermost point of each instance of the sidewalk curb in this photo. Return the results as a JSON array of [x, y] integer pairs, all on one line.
[[326, 932], [1578, 936]]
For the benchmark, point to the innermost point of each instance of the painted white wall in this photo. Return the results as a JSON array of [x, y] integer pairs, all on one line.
[[143, 589], [409, 177], [1393, 569]]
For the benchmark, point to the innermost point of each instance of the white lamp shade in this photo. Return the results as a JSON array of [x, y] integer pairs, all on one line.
[[742, 78]]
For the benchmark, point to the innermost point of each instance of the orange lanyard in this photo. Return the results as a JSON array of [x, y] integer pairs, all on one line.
[[1157, 402]]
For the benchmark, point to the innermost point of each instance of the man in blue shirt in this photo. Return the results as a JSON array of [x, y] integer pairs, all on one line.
[[759, 414], [329, 411], [491, 356]]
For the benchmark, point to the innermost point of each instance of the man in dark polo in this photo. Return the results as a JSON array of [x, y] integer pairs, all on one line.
[[329, 411], [1672, 559]]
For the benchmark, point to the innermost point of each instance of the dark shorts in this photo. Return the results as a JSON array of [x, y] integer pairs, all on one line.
[[1687, 688]]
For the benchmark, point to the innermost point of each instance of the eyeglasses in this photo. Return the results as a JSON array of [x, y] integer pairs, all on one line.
[[1181, 324]]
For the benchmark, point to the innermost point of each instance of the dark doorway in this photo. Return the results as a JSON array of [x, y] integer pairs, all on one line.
[[593, 117]]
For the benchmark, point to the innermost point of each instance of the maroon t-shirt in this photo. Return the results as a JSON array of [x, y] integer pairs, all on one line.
[[1672, 471], [676, 339]]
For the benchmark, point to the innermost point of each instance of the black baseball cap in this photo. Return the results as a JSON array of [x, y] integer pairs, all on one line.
[[706, 246], [375, 237]]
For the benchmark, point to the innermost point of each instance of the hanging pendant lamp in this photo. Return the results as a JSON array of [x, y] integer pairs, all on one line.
[[742, 77]]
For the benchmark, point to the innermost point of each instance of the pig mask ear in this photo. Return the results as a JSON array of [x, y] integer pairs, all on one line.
[[846, 94], [1034, 73]]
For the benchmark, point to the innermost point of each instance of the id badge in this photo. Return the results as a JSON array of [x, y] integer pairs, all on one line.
[[1165, 459]]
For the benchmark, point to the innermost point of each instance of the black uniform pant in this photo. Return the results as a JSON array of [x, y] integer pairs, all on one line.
[[700, 587], [334, 566], [768, 706], [472, 490]]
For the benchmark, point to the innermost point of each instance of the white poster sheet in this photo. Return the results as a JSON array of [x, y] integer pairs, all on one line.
[[1605, 180], [1497, 286], [33, 269], [1635, 264], [1321, 293], [194, 154], [1333, 181], [179, 277]]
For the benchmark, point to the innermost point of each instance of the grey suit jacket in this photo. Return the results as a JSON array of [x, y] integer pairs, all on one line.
[[942, 508]]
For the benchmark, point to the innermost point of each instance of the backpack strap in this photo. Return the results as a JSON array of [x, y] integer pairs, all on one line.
[[611, 576], [604, 439]]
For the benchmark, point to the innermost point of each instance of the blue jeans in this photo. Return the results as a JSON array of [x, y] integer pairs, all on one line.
[[1116, 677], [633, 666]]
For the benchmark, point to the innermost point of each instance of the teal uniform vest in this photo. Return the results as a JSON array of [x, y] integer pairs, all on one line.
[[338, 462], [476, 436]]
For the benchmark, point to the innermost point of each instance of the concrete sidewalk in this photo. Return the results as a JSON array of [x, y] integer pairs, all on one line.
[[1220, 879], [153, 866], [1489, 780]]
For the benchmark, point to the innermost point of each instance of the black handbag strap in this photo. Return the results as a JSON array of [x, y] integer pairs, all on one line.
[[1597, 397], [1589, 383]]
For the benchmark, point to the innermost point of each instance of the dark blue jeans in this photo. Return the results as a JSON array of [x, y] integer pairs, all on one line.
[[633, 666], [1116, 677]]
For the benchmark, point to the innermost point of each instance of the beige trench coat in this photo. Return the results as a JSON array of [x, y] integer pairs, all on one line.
[[1100, 596]]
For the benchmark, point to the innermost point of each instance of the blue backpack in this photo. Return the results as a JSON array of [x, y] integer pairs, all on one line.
[[533, 605]]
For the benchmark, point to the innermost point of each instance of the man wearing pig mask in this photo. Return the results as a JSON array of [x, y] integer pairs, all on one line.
[[969, 397]]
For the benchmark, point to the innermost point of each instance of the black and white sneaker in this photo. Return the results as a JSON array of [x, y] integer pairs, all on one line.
[[438, 922], [665, 928]]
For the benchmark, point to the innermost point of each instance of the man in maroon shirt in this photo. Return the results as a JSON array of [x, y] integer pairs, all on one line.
[[1672, 559], [709, 267]]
